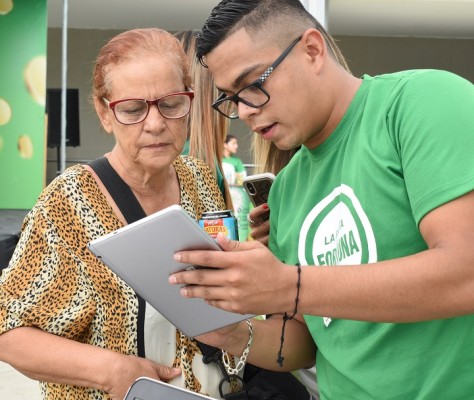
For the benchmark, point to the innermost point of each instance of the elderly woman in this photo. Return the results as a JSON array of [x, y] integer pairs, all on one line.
[[65, 318]]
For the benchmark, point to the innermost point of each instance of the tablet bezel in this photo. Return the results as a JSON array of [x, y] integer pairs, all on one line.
[[151, 389], [142, 253]]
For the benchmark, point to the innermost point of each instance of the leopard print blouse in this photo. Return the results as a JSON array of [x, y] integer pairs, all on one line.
[[54, 283]]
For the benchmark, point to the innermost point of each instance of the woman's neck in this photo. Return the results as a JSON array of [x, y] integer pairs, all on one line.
[[154, 191]]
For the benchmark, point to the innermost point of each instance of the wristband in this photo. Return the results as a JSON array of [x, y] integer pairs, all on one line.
[[280, 358]]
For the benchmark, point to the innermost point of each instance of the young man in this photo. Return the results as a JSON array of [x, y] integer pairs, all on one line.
[[377, 207]]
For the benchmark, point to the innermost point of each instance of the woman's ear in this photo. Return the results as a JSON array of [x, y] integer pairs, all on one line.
[[103, 114]]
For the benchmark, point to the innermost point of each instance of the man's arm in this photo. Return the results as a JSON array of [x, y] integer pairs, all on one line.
[[436, 283], [299, 350]]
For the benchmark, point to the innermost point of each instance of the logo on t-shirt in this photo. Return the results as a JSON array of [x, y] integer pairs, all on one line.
[[337, 232]]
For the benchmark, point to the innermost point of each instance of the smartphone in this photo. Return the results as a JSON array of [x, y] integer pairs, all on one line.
[[258, 187]]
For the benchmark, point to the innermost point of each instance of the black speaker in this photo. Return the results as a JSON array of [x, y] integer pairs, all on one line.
[[53, 109]]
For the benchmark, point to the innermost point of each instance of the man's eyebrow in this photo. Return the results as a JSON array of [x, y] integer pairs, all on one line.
[[238, 81]]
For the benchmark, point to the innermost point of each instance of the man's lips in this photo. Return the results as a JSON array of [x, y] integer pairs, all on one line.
[[265, 131]]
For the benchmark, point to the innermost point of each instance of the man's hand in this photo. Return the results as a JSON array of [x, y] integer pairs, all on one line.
[[239, 279]]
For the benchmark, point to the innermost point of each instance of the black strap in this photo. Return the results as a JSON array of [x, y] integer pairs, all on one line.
[[118, 189], [132, 211]]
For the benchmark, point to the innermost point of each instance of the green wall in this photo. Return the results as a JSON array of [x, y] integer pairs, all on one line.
[[23, 38]]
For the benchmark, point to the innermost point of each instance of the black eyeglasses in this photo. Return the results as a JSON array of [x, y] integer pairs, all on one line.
[[134, 111], [253, 95]]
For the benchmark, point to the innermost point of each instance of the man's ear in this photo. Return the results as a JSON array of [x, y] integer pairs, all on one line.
[[315, 46], [104, 115]]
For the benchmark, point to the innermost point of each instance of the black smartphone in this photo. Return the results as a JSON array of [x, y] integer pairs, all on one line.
[[258, 187]]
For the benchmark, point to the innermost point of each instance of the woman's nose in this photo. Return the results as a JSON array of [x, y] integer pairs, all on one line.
[[154, 116]]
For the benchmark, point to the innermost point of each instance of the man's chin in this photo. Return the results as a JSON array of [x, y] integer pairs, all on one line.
[[284, 146]]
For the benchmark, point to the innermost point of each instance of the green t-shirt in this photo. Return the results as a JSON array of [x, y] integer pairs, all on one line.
[[233, 165], [234, 173], [236, 162], [404, 147]]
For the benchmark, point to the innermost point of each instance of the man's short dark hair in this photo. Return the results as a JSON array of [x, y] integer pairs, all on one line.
[[253, 15]]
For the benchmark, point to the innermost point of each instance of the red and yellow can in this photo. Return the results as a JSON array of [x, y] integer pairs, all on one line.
[[214, 222]]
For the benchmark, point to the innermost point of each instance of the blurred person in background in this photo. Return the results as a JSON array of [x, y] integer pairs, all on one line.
[[235, 172]]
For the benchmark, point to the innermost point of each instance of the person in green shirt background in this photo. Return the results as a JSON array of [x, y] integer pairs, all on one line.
[[234, 173]]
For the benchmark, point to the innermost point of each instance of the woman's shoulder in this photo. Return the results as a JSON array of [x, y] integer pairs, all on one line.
[[73, 176], [198, 181], [72, 185], [191, 162], [61, 195], [185, 165]]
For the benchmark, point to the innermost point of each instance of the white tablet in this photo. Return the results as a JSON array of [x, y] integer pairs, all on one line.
[[151, 389], [142, 253]]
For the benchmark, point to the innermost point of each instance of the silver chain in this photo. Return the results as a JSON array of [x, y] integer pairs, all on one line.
[[243, 359]]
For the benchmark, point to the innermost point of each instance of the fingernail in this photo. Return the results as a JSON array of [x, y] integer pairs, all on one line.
[[178, 370], [172, 279], [265, 206], [184, 292], [177, 257]]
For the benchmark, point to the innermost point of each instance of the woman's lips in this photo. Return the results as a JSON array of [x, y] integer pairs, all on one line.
[[155, 146]]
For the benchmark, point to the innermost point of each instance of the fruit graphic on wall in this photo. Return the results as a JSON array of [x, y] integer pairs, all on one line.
[[5, 112], [5, 6], [23, 33]]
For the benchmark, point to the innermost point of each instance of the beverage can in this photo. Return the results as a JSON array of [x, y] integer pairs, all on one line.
[[224, 221]]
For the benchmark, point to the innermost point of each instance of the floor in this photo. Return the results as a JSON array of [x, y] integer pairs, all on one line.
[[15, 386]]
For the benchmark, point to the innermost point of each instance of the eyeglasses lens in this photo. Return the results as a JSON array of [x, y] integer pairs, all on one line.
[[229, 109], [134, 111], [175, 106], [252, 95], [131, 111]]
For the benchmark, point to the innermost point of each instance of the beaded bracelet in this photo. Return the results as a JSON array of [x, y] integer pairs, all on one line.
[[280, 358], [243, 359]]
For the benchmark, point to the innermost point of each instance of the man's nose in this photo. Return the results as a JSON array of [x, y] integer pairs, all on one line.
[[246, 111]]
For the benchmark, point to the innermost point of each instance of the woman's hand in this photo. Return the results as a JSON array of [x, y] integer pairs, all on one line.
[[259, 223], [127, 369]]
